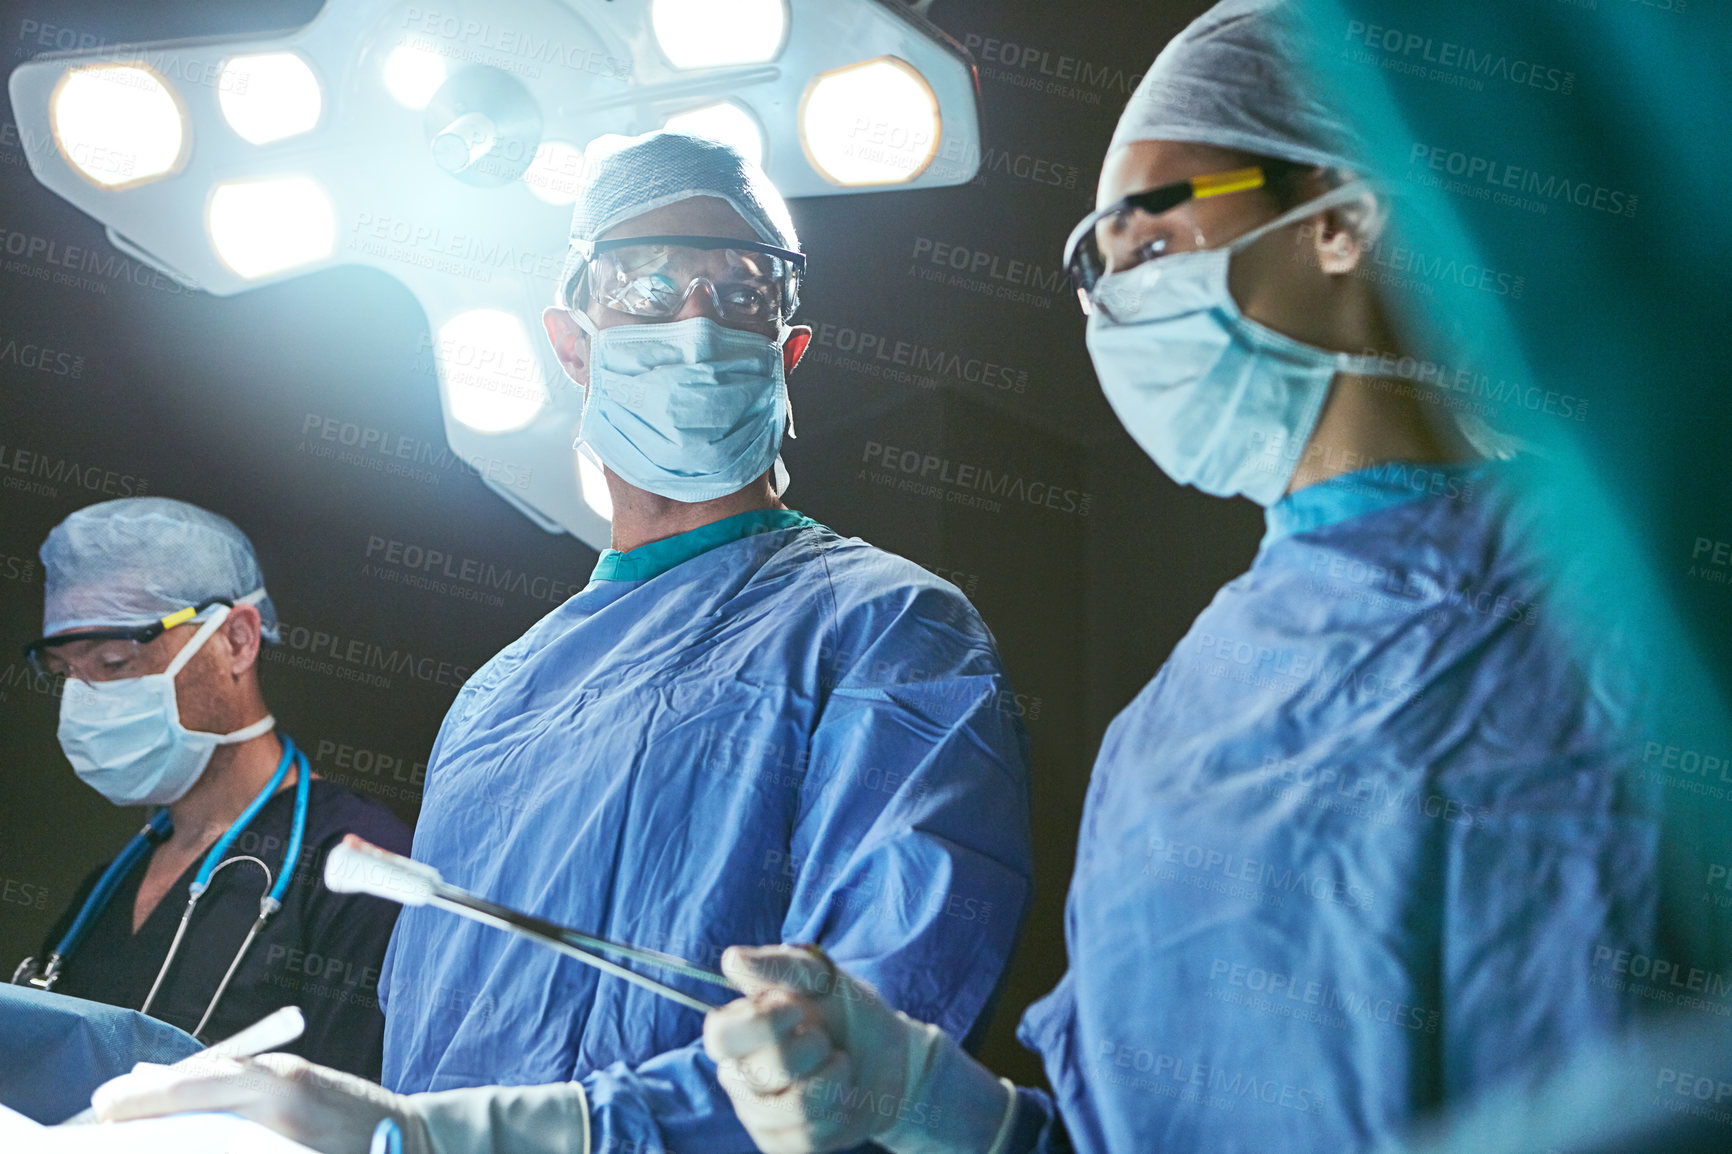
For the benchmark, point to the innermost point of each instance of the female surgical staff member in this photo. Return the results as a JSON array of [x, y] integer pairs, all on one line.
[[1352, 854], [1361, 848], [214, 914]]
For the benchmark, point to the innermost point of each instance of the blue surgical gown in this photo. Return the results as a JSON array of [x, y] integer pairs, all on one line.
[[786, 737], [1362, 848]]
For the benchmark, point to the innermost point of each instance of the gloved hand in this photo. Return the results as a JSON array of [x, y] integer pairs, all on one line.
[[335, 1113], [814, 1061], [326, 1109]]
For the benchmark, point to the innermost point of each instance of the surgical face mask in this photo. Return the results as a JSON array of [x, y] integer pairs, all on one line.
[[125, 740], [691, 410], [1219, 401]]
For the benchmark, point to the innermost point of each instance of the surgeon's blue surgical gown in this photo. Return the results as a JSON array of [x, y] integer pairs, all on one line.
[[1360, 849], [754, 732]]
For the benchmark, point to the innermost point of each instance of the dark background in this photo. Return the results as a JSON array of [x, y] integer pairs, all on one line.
[[211, 400], [205, 399]]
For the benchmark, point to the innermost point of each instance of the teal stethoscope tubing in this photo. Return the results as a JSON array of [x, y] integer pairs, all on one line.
[[268, 905], [155, 832]]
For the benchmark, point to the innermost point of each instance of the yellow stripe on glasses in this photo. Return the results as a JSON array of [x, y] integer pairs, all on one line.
[[1219, 183]]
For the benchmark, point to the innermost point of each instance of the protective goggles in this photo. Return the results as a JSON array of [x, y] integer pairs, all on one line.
[[653, 276], [1131, 240], [116, 650]]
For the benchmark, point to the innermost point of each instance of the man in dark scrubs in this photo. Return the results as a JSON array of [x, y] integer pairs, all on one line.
[[155, 613]]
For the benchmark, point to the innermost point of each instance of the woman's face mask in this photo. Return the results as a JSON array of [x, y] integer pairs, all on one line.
[[1216, 399]]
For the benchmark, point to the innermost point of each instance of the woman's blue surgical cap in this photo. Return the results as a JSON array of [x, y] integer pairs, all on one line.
[[1240, 77]]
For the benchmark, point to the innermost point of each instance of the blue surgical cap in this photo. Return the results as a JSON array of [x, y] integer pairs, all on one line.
[[1238, 77], [661, 168], [133, 561]]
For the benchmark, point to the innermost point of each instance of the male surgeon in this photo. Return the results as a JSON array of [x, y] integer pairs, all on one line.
[[154, 614], [745, 728]]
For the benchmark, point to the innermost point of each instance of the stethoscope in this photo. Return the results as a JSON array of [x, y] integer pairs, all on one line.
[[158, 830]]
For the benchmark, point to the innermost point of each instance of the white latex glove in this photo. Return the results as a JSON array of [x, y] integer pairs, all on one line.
[[326, 1109], [814, 1061], [335, 1113]]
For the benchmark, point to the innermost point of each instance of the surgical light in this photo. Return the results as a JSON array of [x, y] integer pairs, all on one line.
[[554, 174], [413, 74], [269, 96], [442, 146], [875, 122], [491, 373], [726, 122], [260, 227], [592, 483], [714, 33], [117, 124]]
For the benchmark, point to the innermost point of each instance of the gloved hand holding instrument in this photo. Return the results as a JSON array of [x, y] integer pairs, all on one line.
[[814, 1060], [338, 1113]]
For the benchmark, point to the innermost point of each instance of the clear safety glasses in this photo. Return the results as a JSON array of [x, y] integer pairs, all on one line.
[[1144, 226], [653, 276], [106, 654]]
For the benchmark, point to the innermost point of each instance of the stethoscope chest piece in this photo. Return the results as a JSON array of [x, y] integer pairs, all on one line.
[[159, 829]]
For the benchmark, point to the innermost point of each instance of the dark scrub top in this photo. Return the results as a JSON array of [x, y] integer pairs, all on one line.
[[320, 952]]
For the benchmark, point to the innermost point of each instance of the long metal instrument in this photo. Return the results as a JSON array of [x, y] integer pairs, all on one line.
[[358, 866]]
